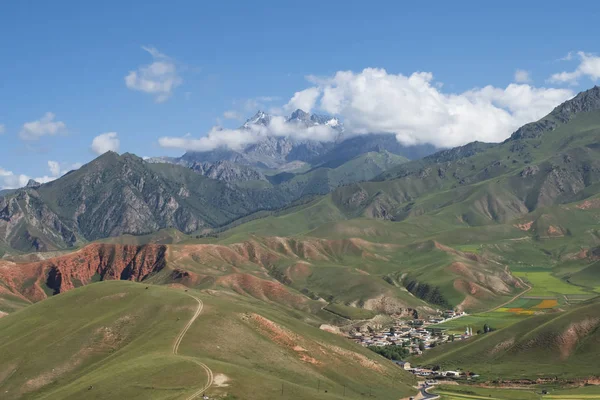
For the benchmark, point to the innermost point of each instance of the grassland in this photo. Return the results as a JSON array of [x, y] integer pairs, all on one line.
[[560, 343], [545, 284], [579, 393], [465, 392], [114, 340], [502, 317], [461, 392], [495, 319], [352, 313]]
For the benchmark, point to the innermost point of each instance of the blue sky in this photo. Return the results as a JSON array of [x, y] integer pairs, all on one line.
[[71, 59]]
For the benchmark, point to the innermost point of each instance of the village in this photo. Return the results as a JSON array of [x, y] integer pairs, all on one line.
[[414, 336]]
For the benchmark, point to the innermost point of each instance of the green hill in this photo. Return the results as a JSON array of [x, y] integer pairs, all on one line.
[[117, 195], [565, 344], [115, 340]]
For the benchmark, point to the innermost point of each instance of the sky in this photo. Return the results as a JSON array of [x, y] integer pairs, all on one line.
[[159, 78]]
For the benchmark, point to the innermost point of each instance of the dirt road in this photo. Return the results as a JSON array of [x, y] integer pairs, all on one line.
[[178, 340], [529, 287]]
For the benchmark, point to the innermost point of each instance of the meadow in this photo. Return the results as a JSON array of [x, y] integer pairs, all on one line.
[[495, 319], [464, 392], [114, 339], [546, 285]]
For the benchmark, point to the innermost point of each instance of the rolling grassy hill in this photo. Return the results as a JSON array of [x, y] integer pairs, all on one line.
[[304, 273], [562, 343], [464, 392], [115, 340]]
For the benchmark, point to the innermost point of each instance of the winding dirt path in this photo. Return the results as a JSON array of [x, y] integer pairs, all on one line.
[[178, 340], [529, 287]]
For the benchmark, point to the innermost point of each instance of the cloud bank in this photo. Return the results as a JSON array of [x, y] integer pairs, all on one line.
[[417, 111], [158, 79], [236, 139], [414, 108], [11, 180]]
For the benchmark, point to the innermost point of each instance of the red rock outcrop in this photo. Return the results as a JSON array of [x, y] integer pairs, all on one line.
[[94, 262]]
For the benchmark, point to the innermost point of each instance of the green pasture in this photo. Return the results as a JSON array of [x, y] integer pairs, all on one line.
[[545, 284], [495, 319]]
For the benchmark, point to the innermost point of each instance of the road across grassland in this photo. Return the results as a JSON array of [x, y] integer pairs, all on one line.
[[523, 293], [178, 340]]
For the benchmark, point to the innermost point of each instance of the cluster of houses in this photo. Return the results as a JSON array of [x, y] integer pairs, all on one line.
[[424, 372], [416, 335]]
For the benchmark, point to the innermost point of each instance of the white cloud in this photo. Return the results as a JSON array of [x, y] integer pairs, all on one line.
[[106, 142], [304, 100], [10, 180], [158, 79], [2, 129], [416, 110], [154, 52], [59, 169], [45, 126], [54, 167], [230, 114], [589, 66], [522, 76], [413, 108], [568, 57], [238, 138], [231, 138]]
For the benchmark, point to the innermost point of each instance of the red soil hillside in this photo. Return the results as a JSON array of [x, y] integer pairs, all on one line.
[[34, 281], [281, 270]]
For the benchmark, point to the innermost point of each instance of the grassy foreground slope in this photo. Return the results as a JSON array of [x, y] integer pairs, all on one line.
[[461, 392], [561, 344], [115, 339]]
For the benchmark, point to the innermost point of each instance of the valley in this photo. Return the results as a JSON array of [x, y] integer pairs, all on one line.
[[281, 270]]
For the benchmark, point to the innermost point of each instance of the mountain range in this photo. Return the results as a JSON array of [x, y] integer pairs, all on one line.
[[472, 192], [274, 154], [547, 162], [287, 236], [115, 195]]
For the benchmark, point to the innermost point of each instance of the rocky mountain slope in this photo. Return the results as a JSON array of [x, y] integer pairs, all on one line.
[[114, 195], [552, 161], [272, 152], [277, 153], [227, 171]]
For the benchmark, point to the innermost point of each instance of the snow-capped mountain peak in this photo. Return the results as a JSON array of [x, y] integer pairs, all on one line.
[[299, 115], [260, 118]]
